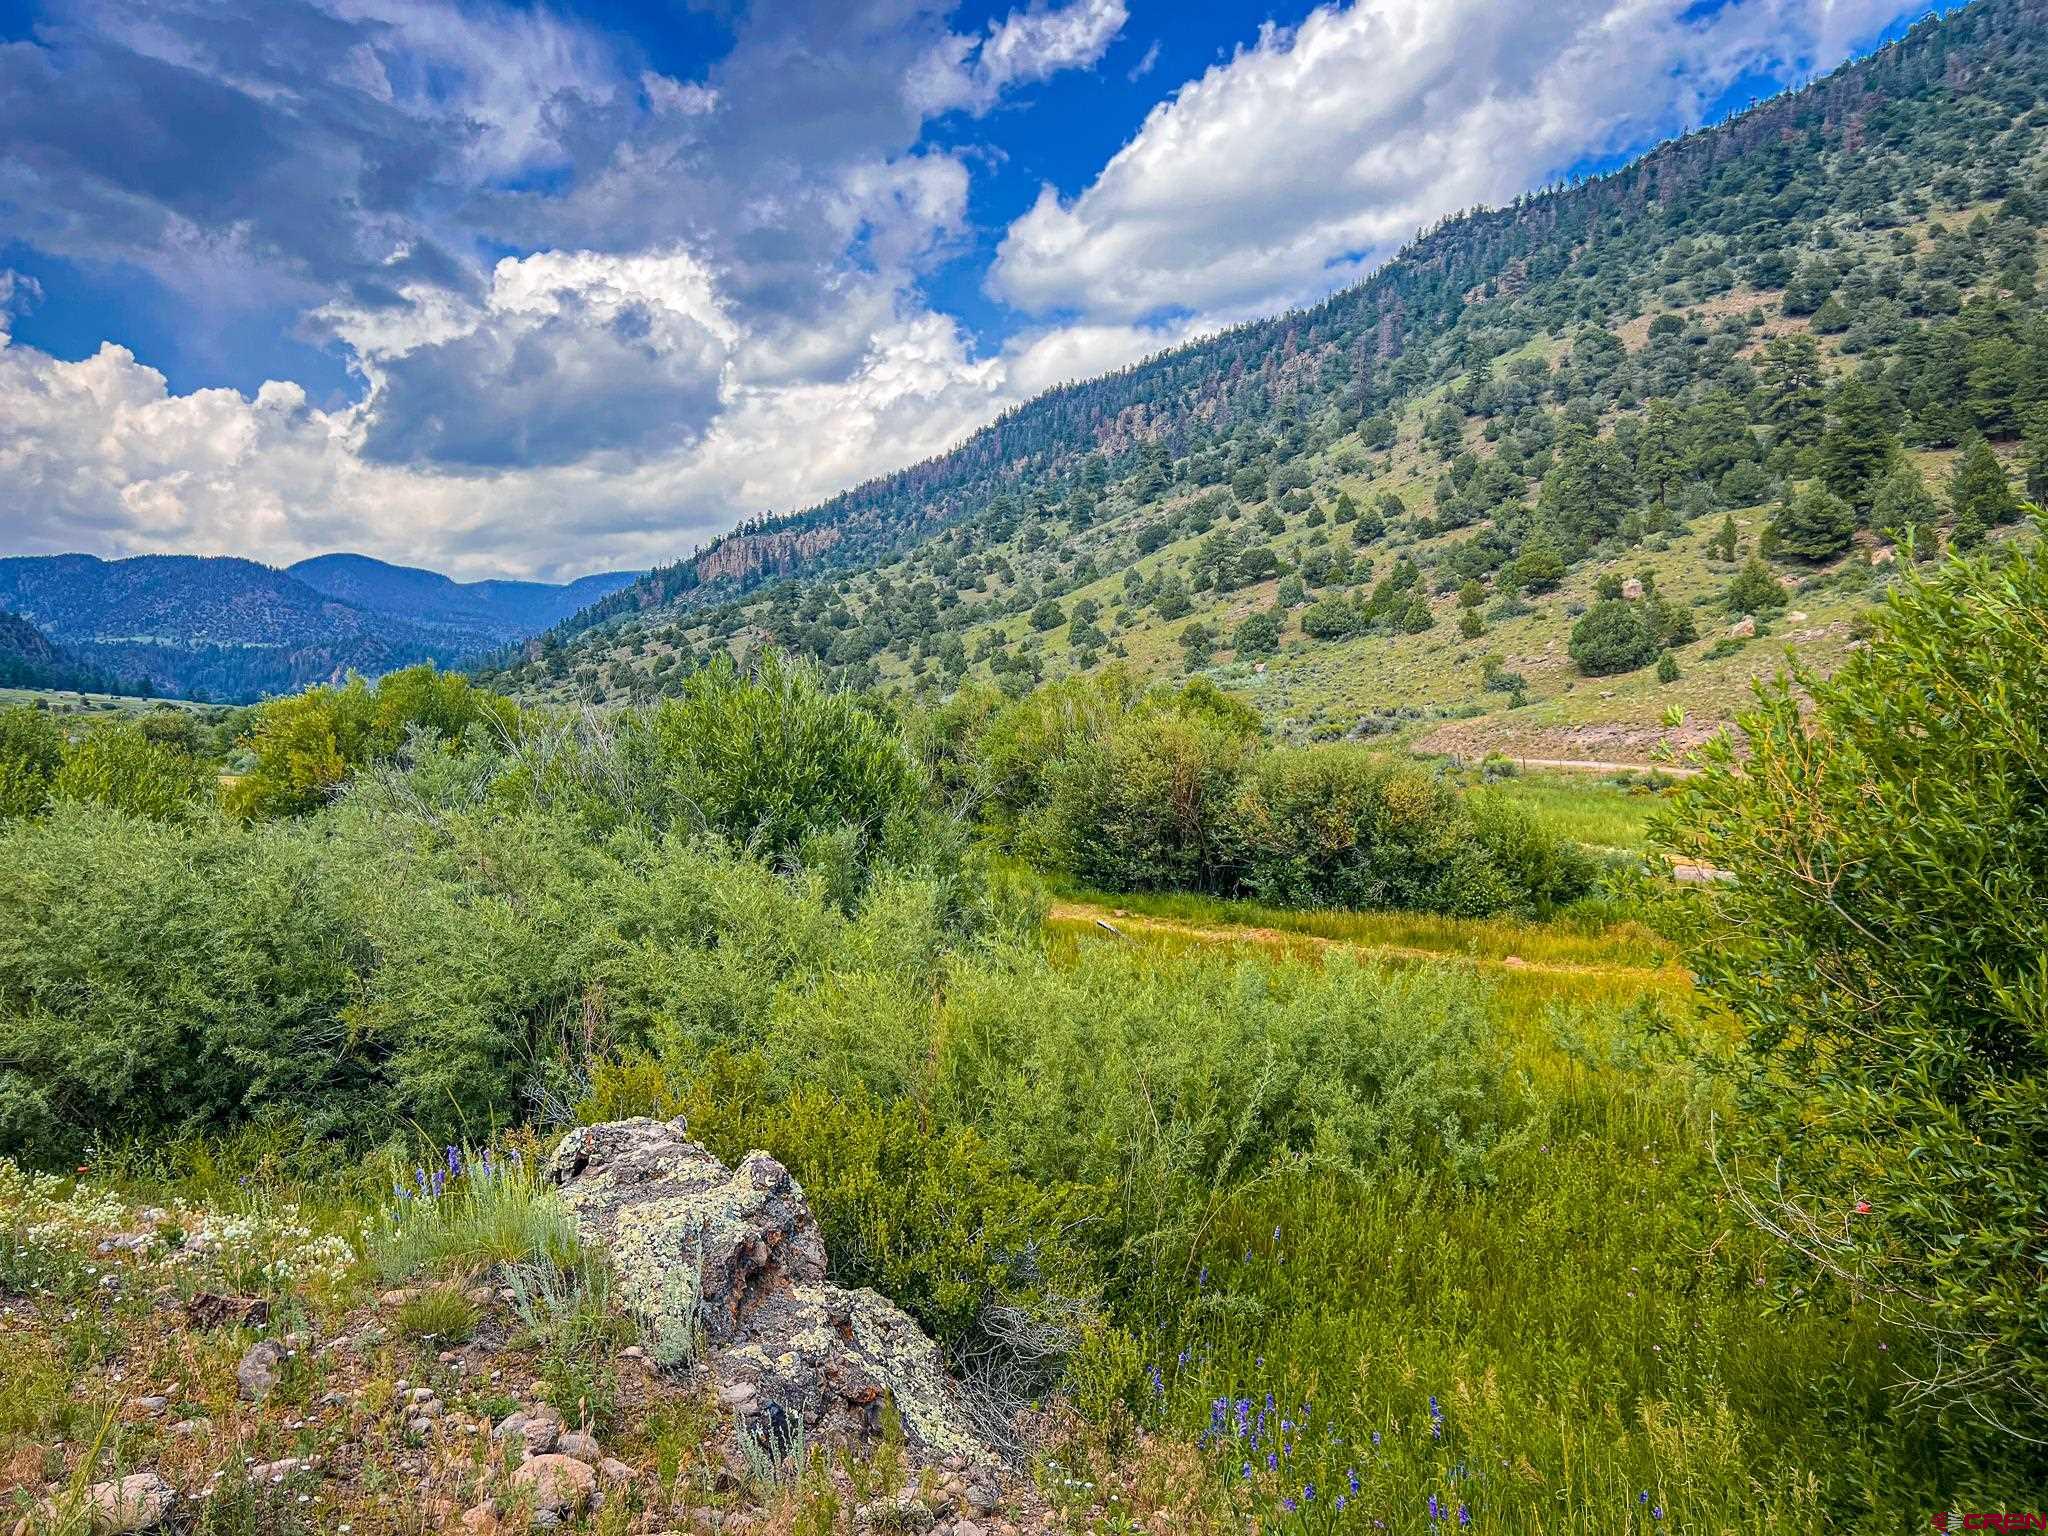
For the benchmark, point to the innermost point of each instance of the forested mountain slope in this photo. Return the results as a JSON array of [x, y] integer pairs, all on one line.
[[1586, 435], [30, 659]]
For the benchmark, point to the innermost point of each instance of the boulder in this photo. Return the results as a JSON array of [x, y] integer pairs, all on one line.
[[138, 1502], [735, 1255], [257, 1374], [560, 1486]]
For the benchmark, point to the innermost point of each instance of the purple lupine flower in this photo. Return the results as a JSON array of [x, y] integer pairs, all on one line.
[[1352, 1476], [1656, 1511], [1288, 1505], [1464, 1515], [1436, 1511]]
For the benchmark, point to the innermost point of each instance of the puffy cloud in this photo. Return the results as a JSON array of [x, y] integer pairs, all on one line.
[[101, 454], [570, 356], [1312, 154], [1026, 46]]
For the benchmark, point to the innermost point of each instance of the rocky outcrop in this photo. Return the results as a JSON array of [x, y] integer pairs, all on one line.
[[734, 1258]]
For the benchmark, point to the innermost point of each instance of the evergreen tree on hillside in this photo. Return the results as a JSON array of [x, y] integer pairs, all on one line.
[[1978, 492], [1903, 505], [1590, 491], [1857, 444], [1815, 525], [1794, 399], [1754, 589]]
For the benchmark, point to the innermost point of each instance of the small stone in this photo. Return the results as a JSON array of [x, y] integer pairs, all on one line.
[[149, 1407], [257, 1374], [561, 1485], [540, 1435], [612, 1472], [432, 1408], [189, 1427], [734, 1394], [510, 1427], [481, 1295], [134, 1503], [421, 1427], [274, 1471], [480, 1520], [966, 1528], [983, 1496], [580, 1445]]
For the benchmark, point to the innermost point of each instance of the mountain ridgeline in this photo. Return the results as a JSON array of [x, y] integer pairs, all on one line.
[[1832, 294], [227, 629]]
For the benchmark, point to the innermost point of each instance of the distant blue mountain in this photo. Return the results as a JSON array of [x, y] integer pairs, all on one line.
[[492, 612], [228, 629]]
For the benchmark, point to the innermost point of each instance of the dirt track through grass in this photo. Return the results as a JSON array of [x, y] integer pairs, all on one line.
[[1079, 916]]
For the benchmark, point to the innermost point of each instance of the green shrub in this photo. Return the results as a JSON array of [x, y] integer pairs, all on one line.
[[1816, 524], [371, 968], [925, 1213], [1338, 827], [116, 767], [306, 745], [1754, 589], [31, 748], [1612, 637], [1882, 941], [440, 1314]]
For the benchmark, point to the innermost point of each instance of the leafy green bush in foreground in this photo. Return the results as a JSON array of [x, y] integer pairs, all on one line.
[[1883, 944]]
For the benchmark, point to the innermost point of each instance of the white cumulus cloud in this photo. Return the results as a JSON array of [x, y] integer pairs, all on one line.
[[971, 72], [1313, 153]]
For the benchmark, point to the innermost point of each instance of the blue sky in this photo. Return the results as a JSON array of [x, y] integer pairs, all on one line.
[[521, 289]]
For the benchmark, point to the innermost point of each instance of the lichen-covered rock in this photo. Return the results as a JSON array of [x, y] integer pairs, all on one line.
[[735, 1254]]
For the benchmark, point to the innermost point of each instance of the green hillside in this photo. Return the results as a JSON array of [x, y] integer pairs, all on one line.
[[1392, 513]]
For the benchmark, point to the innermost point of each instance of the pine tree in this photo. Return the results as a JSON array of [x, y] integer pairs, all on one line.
[[1794, 401], [1903, 505], [1722, 545], [1857, 444], [1815, 524], [2037, 462], [1978, 490], [1754, 589], [1660, 450]]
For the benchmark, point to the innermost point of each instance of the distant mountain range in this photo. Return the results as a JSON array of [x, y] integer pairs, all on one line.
[[228, 629]]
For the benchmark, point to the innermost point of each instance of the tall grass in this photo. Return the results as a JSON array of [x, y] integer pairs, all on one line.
[[472, 1214]]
